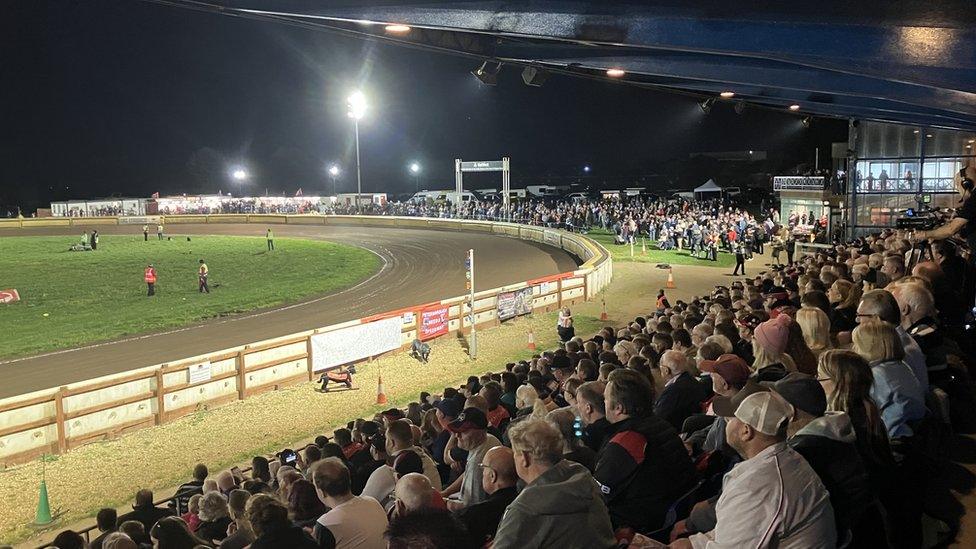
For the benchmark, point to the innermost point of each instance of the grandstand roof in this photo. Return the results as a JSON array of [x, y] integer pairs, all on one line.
[[906, 61]]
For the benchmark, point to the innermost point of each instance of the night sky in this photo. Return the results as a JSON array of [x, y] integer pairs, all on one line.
[[105, 97]]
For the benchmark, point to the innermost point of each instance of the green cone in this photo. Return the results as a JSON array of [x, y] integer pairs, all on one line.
[[43, 507]]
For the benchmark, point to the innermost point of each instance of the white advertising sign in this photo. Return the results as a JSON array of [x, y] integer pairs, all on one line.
[[355, 343], [547, 288], [199, 372]]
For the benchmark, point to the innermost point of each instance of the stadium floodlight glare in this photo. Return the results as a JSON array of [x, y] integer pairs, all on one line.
[[357, 105], [727, 94], [414, 168], [615, 73], [794, 107], [333, 170], [586, 169], [487, 73], [397, 29], [239, 174], [706, 105]]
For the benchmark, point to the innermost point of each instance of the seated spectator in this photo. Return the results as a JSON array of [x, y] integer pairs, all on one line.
[[895, 389], [381, 482], [399, 438], [352, 521], [272, 529], [239, 533], [260, 469], [769, 349], [498, 415], [881, 305], [144, 511], [428, 528], [498, 479], [226, 482], [135, 530], [68, 539], [560, 505], [683, 393], [171, 533], [590, 407], [826, 441], [414, 493], [918, 319], [728, 375], [573, 448], [304, 505], [643, 468], [773, 498], [118, 540], [844, 296], [471, 430], [188, 489], [343, 437], [106, 521], [214, 517], [815, 326], [192, 516]]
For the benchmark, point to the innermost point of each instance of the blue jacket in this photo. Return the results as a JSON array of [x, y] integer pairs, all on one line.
[[898, 395]]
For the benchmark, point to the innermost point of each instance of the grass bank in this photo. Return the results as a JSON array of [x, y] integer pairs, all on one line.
[[75, 298]]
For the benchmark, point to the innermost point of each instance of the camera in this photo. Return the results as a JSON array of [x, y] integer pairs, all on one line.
[[922, 218]]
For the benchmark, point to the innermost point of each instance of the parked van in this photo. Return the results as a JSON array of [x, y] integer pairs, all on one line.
[[546, 191]]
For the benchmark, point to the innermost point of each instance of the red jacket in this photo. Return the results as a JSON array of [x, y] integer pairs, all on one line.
[[150, 276]]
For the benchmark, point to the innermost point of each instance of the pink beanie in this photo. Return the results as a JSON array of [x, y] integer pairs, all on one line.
[[773, 333]]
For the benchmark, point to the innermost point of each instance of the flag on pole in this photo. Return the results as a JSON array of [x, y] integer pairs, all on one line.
[[298, 192], [155, 194]]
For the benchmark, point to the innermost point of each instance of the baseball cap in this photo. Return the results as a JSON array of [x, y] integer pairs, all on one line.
[[450, 407], [731, 367], [469, 420], [802, 392], [725, 406], [765, 411], [750, 320]]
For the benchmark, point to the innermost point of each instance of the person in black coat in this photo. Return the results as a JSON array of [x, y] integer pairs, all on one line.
[[144, 511], [683, 394], [273, 529]]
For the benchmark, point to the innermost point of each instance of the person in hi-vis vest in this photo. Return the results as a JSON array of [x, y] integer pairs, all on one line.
[[203, 273], [150, 278]]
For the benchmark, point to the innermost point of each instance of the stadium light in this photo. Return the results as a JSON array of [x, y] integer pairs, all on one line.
[[397, 29], [727, 94], [794, 107], [239, 175], [357, 109], [415, 170], [334, 172], [586, 169], [615, 73]]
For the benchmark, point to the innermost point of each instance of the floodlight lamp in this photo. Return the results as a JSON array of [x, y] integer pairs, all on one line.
[[615, 73], [727, 94], [586, 169], [706, 105], [239, 174], [487, 73], [415, 168], [397, 29], [794, 107], [357, 105], [333, 170]]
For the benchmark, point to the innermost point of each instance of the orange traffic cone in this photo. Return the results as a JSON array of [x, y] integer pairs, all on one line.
[[603, 315], [670, 283], [380, 393], [531, 341]]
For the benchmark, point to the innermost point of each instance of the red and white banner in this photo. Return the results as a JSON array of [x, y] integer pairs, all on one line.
[[433, 322], [9, 296]]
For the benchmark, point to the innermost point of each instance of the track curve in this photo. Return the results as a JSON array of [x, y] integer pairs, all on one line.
[[420, 265]]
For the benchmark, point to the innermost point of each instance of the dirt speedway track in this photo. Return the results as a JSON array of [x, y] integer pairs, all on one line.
[[419, 266]]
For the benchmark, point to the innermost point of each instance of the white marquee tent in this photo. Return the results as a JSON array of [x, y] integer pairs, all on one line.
[[709, 187]]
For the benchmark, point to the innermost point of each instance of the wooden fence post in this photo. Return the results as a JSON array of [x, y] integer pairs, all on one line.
[[160, 398], [241, 375], [559, 293], [59, 420], [308, 359]]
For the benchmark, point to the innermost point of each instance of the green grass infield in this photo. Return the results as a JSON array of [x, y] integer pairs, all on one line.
[[75, 298], [621, 252]]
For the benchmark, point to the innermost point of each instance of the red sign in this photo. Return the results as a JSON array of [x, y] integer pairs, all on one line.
[[433, 322], [9, 296]]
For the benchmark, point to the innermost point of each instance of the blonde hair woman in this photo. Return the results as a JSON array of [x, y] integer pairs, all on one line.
[[895, 389], [528, 403], [815, 326]]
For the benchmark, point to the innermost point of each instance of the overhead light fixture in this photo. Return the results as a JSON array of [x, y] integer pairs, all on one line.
[[706, 105], [740, 107], [488, 72], [806, 121], [969, 146], [534, 76], [794, 107], [972, 141], [397, 29], [914, 131], [615, 73], [727, 94], [928, 135]]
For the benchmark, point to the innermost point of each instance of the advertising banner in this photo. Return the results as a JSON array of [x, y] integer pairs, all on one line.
[[433, 322], [511, 304], [354, 343]]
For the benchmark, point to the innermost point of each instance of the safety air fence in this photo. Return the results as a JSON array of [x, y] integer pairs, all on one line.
[[55, 420]]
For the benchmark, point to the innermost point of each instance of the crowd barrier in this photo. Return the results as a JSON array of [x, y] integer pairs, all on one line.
[[55, 420]]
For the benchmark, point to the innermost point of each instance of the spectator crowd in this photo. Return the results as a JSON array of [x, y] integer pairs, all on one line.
[[808, 406]]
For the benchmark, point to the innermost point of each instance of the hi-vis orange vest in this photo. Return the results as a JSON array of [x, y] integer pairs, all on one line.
[[150, 275]]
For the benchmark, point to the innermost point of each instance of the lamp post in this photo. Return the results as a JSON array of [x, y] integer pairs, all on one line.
[[334, 172], [357, 109], [415, 170]]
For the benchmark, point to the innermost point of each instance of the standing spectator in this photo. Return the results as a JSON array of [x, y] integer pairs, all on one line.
[[203, 273], [498, 479], [773, 498], [144, 511], [145, 233], [471, 430], [273, 530], [740, 259], [159, 230], [150, 277], [270, 237], [214, 517], [643, 468], [106, 520], [560, 505], [683, 393], [94, 240], [352, 521], [564, 327]]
